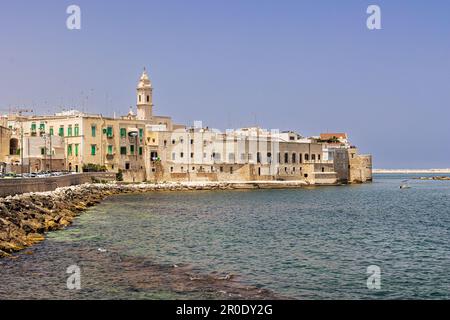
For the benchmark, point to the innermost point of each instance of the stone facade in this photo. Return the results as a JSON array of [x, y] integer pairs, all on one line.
[[5, 136], [144, 147]]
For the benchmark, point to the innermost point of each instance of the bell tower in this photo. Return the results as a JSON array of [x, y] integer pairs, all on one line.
[[144, 97]]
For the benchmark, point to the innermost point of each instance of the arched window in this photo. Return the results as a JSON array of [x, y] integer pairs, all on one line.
[[148, 98], [306, 157], [13, 146], [294, 158], [140, 98]]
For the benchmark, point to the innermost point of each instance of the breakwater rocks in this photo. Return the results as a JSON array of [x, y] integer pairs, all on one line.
[[443, 178], [25, 218]]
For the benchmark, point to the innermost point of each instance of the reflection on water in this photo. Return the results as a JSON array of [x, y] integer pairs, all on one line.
[[305, 244]]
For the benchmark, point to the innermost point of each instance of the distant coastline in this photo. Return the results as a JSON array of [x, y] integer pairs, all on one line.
[[411, 170]]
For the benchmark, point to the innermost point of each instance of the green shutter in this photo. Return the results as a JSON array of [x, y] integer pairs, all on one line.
[[93, 131], [69, 131], [110, 149], [33, 127], [51, 131], [76, 149], [109, 132], [132, 149], [61, 132], [93, 149], [123, 132], [141, 132], [42, 127], [77, 131], [69, 150], [123, 150]]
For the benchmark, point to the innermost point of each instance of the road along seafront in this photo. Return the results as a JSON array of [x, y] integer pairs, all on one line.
[[26, 218]]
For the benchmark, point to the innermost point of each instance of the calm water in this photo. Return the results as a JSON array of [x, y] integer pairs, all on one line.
[[306, 243]]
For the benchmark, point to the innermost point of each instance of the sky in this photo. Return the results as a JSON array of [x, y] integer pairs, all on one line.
[[308, 66]]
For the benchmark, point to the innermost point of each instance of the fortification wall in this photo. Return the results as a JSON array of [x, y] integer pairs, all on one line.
[[18, 186]]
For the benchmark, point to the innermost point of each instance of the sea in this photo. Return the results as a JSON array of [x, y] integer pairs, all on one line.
[[364, 241]]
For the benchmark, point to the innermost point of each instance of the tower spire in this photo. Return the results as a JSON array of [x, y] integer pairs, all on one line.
[[144, 97]]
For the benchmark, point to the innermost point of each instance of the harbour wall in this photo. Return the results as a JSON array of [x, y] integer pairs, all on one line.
[[10, 187]]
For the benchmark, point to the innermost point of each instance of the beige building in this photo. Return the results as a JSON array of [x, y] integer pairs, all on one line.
[[5, 136], [145, 147], [249, 154], [111, 143]]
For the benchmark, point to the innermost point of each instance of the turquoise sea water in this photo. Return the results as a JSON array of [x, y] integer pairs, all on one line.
[[311, 243]]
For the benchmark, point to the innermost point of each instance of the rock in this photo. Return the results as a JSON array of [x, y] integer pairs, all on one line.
[[35, 237]]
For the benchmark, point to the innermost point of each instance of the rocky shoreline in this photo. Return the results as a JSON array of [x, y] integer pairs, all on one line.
[[440, 178], [25, 218]]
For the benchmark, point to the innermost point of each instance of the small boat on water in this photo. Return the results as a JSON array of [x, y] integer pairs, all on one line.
[[405, 185]]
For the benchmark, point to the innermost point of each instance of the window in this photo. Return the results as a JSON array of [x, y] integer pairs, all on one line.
[[42, 151], [127, 166], [318, 157], [123, 150], [51, 131], [258, 157], [192, 141], [77, 130], [42, 127], [242, 156], [221, 169], [109, 132], [132, 149], [76, 149], [171, 169], [181, 154], [306, 157], [33, 127], [148, 98], [140, 151], [173, 156], [278, 157], [141, 133], [192, 155], [231, 157], [313, 157], [181, 140], [93, 130], [69, 131], [300, 159], [93, 149], [110, 149], [231, 170], [173, 141], [61, 131], [286, 157], [123, 132], [294, 158], [323, 169], [140, 98], [69, 150]]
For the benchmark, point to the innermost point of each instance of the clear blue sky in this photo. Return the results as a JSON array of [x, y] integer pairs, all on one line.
[[309, 66]]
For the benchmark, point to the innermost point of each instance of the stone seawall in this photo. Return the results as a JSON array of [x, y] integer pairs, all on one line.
[[18, 186], [25, 218]]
